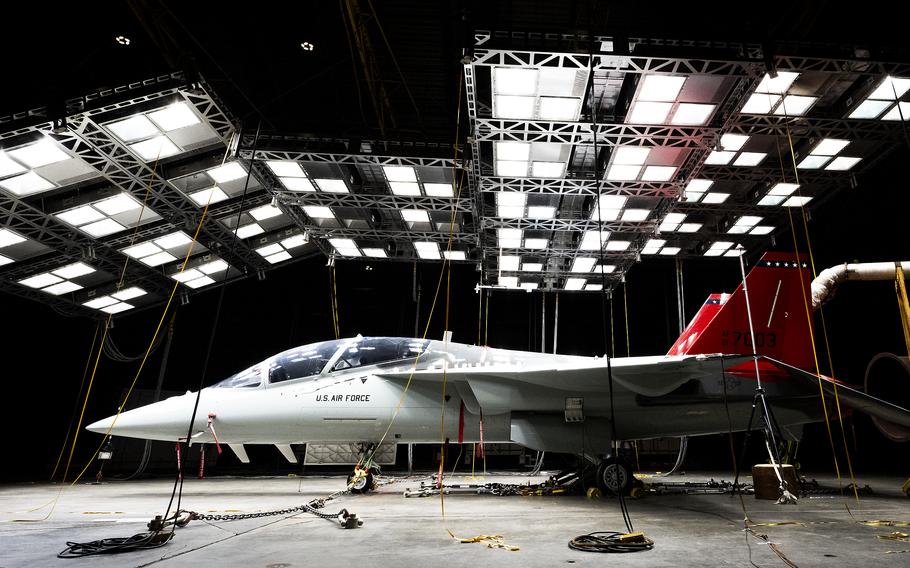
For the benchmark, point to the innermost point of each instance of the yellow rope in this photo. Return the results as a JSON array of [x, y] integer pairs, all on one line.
[[824, 329], [903, 305]]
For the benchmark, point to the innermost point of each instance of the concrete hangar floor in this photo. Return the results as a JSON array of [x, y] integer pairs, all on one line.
[[688, 530]]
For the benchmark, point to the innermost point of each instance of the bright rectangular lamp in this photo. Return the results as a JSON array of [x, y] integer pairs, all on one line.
[[761, 230], [508, 281], [796, 201], [80, 215], [829, 147], [660, 87], [892, 88], [617, 245], [295, 241], [536, 243], [719, 158], [270, 249], [227, 172], [454, 255], [689, 228], [593, 240], [286, 168], [575, 283], [783, 188], [187, 275], [118, 204], [26, 184], [74, 270], [795, 105], [438, 189], [102, 228], [331, 185], [129, 293], [415, 216], [698, 185], [9, 238], [901, 111], [62, 288], [770, 200], [548, 169], [618, 172], [670, 251], [266, 211], [811, 162], [297, 184], [648, 113], [514, 81], [635, 214], [658, 173], [39, 154], [749, 158], [869, 108], [177, 115], [200, 282], [509, 238], [515, 151], [155, 148], [692, 114], [427, 249], [133, 128], [141, 250], [559, 108], [541, 212], [411, 188], [207, 196], [375, 252], [41, 280], [508, 262], [631, 155], [508, 168], [158, 259], [528, 285], [778, 84], [583, 264], [760, 103], [511, 106], [715, 197], [213, 267], [318, 212], [531, 266], [842, 163], [400, 173], [279, 257], [8, 166], [248, 231], [733, 142]]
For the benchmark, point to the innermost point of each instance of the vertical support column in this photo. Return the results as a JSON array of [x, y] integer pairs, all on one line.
[[555, 322], [543, 322]]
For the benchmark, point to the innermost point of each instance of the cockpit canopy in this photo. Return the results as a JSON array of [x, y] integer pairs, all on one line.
[[326, 357]]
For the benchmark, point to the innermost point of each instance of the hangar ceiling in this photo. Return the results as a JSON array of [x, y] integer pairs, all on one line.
[[581, 156]]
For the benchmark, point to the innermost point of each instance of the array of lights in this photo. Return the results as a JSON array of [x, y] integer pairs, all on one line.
[[771, 97], [827, 154], [278, 252], [548, 93], [531, 159], [675, 223], [697, 190], [163, 132], [612, 208], [403, 180], [38, 167], [161, 250], [295, 178], [884, 101], [59, 281], [724, 248], [659, 246], [108, 215], [731, 151], [9, 238], [204, 274], [628, 164], [657, 103], [116, 302]]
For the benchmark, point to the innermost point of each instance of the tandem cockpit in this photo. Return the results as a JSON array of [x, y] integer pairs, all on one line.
[[318, 359]]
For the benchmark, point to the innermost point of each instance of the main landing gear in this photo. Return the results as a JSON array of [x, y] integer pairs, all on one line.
[[614, 475]]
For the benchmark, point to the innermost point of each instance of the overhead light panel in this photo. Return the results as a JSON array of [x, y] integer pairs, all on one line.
[[795, 105], [594, 240], [778, 84], [797, 201], [663, 88], [318, 212], [714, 198], [249, 230], [400, 173], [548, 169], [511, 106], [514, 81], [536, 243], [26, 184], [891, 88], [408, 188], [41, 153], [829, 147], [177, 115], [331, 185], [811, 162], [644, 112], [733, 142], [9, 238], [438, 189], [575, 283], [286, 168], [692, 114], [133, 128], [454, 255], [208, 196], [264, 212], [900, 111], [508, 281], [749, 158], [760, 103], [583, 264], [531, 266], [227, 172], [631, 155], [427, 250], [155, 148], [842, 163], [559, 108], [541, 212], [658, 173], [508, 262], [719, 158], [415, 216]]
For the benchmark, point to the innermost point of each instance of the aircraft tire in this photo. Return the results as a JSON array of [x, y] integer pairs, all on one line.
[[615, 476], [363, 484]]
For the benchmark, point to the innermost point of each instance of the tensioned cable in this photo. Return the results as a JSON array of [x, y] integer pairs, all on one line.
[[802, 288]]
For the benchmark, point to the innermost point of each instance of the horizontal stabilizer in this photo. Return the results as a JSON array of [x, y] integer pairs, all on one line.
[[852, 397], [241, 452]]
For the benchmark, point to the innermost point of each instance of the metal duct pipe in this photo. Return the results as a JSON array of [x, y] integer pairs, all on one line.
[[824, 284]]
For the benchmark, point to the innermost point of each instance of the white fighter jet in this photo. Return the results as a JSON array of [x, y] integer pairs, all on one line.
[[364, 389]]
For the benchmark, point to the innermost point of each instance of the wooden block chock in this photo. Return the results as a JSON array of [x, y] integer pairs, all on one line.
[[765, 482]]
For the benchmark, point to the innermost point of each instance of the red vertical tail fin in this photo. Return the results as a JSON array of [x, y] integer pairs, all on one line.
[[778, 291]]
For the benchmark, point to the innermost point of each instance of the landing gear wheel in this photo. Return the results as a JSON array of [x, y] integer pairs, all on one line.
[[614, 476], [361, 484]]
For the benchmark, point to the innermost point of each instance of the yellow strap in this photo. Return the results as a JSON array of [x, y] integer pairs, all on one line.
[[903, 305], [492, 541]]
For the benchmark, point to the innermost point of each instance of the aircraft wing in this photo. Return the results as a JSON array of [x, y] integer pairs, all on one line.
[[646, 376], [852, 397]]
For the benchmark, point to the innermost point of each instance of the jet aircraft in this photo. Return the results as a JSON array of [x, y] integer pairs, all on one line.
[[365, 389]]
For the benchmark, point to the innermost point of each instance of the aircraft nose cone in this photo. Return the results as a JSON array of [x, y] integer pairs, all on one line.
[[101, 426], [166, 420]]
